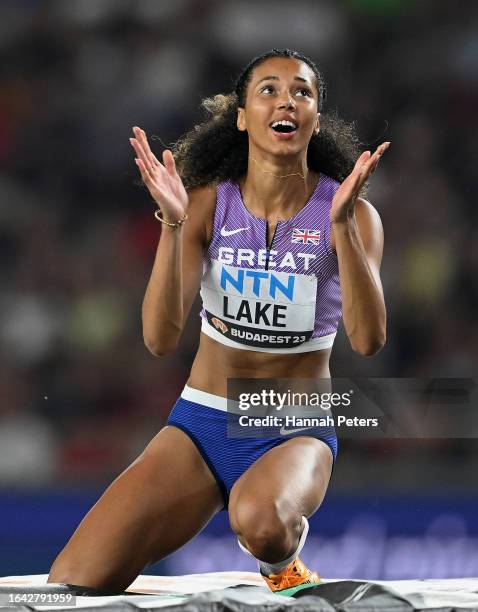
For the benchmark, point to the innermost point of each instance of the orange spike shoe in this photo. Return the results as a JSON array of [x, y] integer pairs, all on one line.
[[294, 575]]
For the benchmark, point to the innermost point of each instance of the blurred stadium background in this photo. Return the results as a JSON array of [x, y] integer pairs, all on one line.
[[79, 394]]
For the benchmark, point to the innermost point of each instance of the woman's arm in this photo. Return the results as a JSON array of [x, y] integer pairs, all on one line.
[[358, 243], [177, 268], [176, 274], [357, 237]]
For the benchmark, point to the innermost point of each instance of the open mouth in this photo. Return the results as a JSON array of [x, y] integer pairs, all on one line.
[[283, 127]]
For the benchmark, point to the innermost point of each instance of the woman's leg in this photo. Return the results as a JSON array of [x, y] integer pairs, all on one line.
[[268, 501], [155, 506]]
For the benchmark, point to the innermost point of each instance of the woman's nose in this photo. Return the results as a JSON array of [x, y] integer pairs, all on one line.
[[285, 101]]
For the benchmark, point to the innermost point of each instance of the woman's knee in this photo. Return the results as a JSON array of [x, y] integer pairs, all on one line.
[[269, 530], [66, 570]]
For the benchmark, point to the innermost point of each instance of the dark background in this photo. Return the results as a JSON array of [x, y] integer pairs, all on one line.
[[79, 394]]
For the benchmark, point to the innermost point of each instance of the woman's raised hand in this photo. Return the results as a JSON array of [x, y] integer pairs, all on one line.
[[343, 204], [162, 180]]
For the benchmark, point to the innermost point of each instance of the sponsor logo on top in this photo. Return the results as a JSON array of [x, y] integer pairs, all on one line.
[[225, 232], [218, 324]]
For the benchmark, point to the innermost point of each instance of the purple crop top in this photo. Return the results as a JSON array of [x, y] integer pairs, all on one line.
[[281, 299]]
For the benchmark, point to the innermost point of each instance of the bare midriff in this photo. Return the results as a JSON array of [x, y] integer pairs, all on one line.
[[215, 363]]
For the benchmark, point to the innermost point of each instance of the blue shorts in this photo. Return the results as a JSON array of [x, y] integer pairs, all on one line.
[[204, 418]]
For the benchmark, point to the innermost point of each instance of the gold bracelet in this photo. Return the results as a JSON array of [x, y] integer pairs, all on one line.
[[168, 223]]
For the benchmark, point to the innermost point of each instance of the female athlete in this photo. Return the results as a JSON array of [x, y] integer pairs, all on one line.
[[260, 208]]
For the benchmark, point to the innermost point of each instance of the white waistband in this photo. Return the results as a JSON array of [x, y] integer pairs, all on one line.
[[204, 398], [314, 344], [217, 401]]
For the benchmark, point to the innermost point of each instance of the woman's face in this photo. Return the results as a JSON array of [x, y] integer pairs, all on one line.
[[280, 89]]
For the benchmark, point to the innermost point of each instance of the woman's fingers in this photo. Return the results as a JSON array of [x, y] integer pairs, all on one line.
[[143, 140], [370, 165], [352, 184], [368, 159], [350, 188], [361, 161], [151, 175], [141, 147], [145, 176], [140, 153], [169, 162]]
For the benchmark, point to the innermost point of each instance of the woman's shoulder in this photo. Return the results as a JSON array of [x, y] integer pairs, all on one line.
[[206, 194], [202, 206], [213, 195]]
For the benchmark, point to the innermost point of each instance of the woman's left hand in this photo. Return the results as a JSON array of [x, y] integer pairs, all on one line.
[[343, 204]]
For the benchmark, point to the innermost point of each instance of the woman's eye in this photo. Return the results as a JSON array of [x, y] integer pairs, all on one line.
[[270, 89]]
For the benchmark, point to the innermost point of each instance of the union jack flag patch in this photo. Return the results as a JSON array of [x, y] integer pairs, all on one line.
[[305, 236]]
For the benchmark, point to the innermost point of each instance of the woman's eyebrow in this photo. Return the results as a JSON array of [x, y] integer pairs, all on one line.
[[276, 78]]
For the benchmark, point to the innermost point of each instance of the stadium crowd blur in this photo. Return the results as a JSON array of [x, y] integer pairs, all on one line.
[[79, 393]]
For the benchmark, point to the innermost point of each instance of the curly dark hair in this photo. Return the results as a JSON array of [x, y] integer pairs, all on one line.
[[215, 150]]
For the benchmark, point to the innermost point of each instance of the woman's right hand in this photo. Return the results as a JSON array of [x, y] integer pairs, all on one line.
[[163, 182]]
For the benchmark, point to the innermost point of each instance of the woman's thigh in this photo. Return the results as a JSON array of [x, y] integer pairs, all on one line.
[[164, 498], [291, 478]]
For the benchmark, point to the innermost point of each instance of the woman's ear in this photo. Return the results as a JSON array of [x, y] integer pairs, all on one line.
[[317, 125], [241, 119]]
